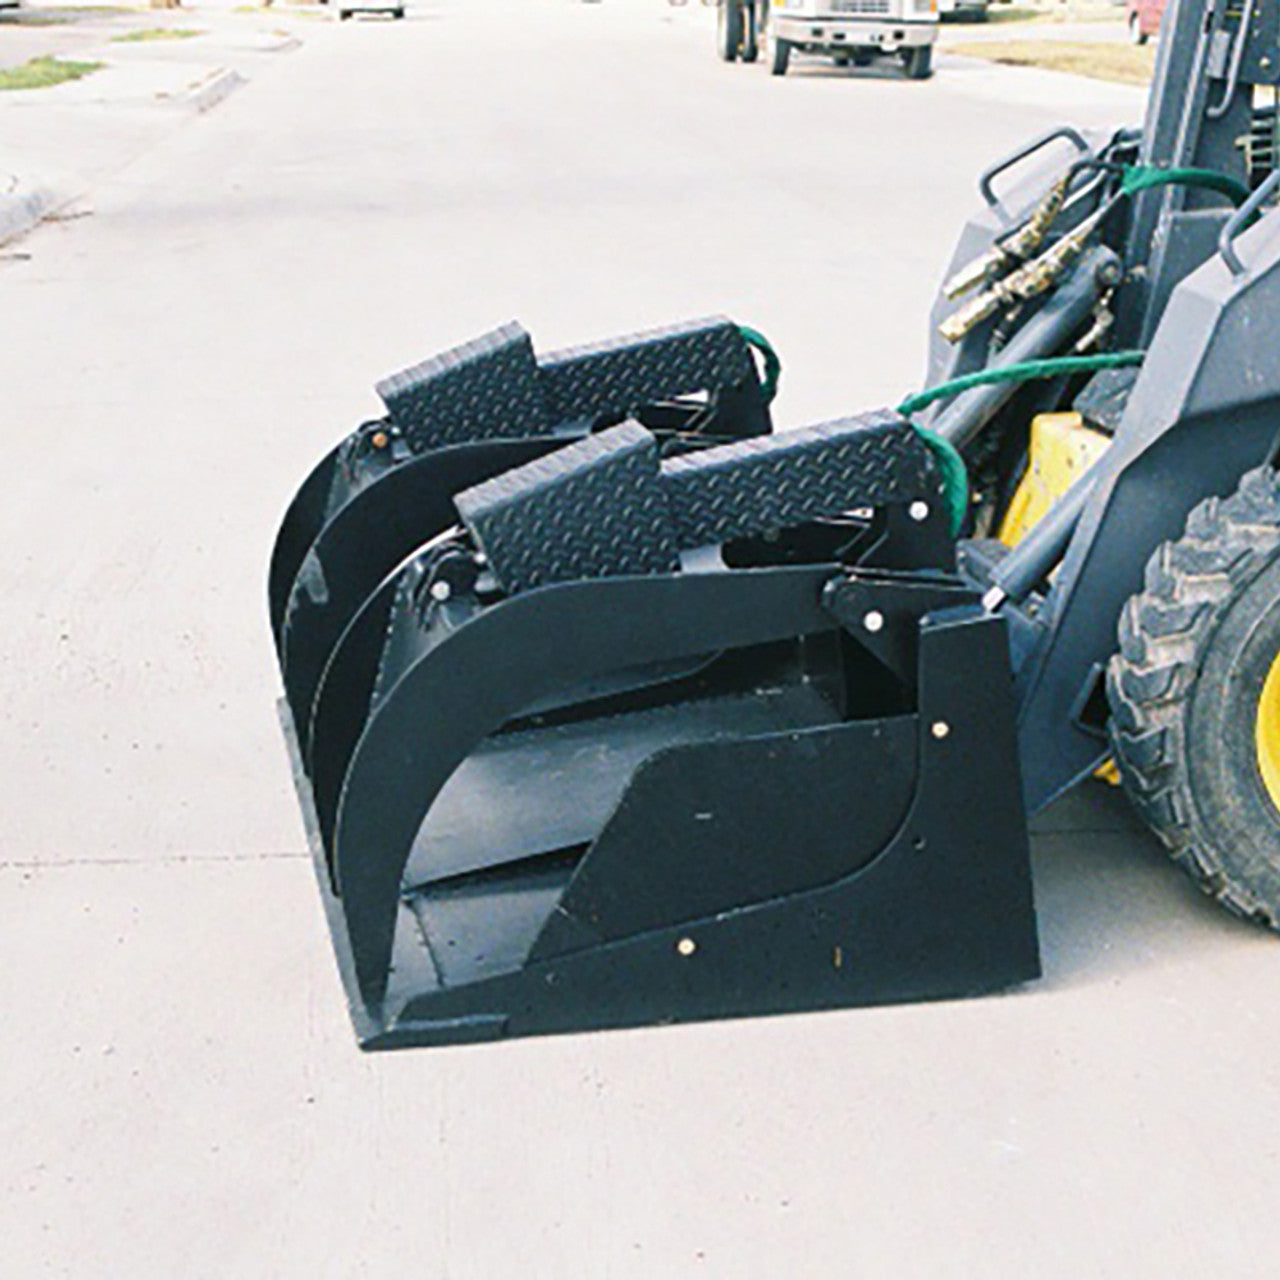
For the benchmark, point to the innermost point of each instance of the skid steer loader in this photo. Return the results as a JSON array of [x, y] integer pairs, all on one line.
[[610, 706]]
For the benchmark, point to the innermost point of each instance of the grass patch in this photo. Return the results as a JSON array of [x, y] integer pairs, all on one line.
[[17, 18], [148, 34], [1071, 11], [1015, 13], [44, 73], [1119, 63], [55, 17], [301, 9]]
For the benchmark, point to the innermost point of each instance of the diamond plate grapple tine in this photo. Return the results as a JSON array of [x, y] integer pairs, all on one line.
[[576, 698], [385, 522], [380, 493]]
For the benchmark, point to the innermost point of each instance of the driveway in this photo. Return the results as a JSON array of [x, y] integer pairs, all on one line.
[[182, 1092]]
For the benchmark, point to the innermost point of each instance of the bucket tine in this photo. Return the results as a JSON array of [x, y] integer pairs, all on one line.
[[599, 630], [452, 421], [379, 527], [302, 522]]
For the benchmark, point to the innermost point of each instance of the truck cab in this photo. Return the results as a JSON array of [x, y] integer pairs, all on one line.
[[849, 31]]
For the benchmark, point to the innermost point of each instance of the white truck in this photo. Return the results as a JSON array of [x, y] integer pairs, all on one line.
[[850, 31]]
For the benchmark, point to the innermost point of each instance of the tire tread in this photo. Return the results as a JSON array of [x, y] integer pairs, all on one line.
[[1164, 632]]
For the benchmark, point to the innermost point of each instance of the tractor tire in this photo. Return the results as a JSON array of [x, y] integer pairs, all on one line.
[[749, 50], [781, 57], [918, 61], [1195, 698], [729, 29]]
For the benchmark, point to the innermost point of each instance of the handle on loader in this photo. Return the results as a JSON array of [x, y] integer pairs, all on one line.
[[1074, 136], [1242, 219]]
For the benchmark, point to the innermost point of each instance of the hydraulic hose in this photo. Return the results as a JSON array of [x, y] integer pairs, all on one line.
[[1142, 177], [1135, 178], [955, 478], [772, 363]]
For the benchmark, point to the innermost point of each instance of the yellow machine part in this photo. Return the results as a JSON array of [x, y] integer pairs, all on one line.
[[1062, 449], [1267, 733]]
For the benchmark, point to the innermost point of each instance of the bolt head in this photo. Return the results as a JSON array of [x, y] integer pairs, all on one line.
[[686, 946], [940, 729], [441, 590], [873, 620], [918, 511]]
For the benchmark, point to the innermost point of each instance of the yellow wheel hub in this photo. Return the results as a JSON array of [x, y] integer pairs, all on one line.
[[1267, 732]]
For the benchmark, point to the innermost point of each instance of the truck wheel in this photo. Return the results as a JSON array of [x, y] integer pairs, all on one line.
[[750, 50], [729, 29], [863, 57], [1195, 698], [918, 61], [781, 56]]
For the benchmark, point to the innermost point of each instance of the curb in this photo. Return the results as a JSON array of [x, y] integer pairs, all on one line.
[[20, 212], [207, 93]]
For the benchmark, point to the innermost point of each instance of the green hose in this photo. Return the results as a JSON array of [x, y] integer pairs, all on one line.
[[772, 364], [1141, 177], [955, 479]]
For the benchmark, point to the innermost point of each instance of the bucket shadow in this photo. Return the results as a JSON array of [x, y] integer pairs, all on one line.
[[1108, 899]]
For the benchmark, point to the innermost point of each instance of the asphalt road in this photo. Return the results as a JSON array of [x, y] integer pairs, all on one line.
[[181, 1093]]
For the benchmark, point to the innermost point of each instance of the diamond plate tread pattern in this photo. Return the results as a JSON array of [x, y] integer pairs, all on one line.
[[484, 389], [776, 481], [593, 509], [615, 378]]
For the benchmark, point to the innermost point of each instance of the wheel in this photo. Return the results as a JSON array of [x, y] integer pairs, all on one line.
[[398, 12], [918, 61], [781, 56], [862, 57], [750, 49], [1136, 34], [344, 14], [729, 29], [1195, 698]]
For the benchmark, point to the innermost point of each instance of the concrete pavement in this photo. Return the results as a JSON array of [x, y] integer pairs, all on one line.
[[57, 144], [181, 1093]]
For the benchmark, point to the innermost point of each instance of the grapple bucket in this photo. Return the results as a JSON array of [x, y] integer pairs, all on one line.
[[649, 722]]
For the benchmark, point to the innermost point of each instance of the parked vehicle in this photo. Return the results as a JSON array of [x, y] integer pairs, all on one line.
[[963, 10], [1143, 17], [850, 31]]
